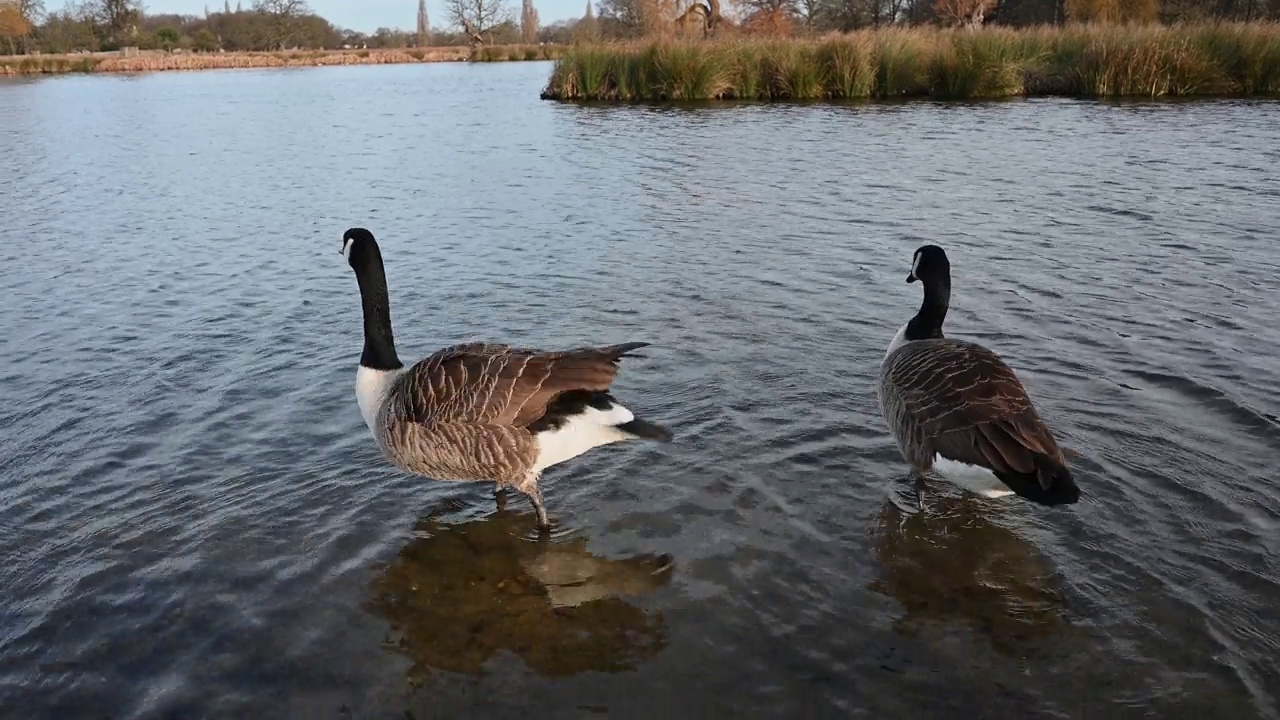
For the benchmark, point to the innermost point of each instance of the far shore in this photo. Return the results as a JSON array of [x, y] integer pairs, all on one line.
[[158, 60]]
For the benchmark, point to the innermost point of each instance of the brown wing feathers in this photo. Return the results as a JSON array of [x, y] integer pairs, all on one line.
[[500, 385], [972, 408], [591, 369], [990, 444]]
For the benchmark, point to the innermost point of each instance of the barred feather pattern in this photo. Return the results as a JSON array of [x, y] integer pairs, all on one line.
[[959, 400], [463, 413]]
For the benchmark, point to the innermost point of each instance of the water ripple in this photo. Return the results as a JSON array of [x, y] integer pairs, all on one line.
[[194, 522]]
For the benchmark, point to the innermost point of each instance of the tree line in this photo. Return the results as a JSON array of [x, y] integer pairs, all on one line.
[[96, 25], [633, 18], [265, 25]]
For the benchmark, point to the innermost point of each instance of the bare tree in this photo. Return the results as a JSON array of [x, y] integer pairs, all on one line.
[[68, 30], [529, 22], [424, 25], [586, 28], [644, 17], [772, 7], [478, 17], [964, 13], [285, 8], [282, 27], [811, 11], [119, 17], [32, 10], [624, 13], [1113, 11]]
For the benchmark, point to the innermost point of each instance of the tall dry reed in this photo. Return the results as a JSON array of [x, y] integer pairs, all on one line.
[[157, 60], [515, 53], [48, 64], [1079, 60]]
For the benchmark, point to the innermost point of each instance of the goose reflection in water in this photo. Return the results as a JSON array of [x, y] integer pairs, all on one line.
[[458, 595], [953, 565]]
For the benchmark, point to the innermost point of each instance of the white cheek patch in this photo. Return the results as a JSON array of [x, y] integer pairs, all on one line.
[[915, 265], [346, 248]]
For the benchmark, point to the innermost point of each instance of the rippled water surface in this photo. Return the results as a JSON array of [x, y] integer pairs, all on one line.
[[194, 521]]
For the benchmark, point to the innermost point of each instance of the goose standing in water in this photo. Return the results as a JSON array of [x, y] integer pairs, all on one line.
[[956, 409], [480, 411]]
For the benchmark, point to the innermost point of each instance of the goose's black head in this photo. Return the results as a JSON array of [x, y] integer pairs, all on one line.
[[359, 247], [929, 264]]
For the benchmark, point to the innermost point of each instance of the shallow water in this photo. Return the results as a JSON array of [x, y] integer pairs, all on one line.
[[194, 521]]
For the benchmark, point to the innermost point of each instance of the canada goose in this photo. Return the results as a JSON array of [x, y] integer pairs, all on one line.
[[955, 408], [480, 411]]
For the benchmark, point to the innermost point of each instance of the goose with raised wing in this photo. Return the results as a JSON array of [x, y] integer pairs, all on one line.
[[958, 411], [481, 411]]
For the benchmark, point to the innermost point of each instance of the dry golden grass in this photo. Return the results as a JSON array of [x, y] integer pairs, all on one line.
[[1081, 60], [157, 60], [516, 53]]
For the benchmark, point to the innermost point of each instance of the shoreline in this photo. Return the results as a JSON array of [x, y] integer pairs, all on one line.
[[160, 61], [1083, 61]]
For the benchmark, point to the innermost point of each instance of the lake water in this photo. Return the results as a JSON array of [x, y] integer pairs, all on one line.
[[194, 521]]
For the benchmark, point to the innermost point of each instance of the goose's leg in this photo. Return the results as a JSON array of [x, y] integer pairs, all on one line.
[[919, 491], [535, 496], [529, 486], [500, 497]]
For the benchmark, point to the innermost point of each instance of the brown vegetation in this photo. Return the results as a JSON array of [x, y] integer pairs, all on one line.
[[515, 53], [150, 61], [12, 23], [153, 61], [963, 13], [769, 22], [1113, 11], [1073, 60]]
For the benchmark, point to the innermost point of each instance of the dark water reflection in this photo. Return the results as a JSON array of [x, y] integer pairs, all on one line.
[[194, 521], [956, 567], [462, 593]]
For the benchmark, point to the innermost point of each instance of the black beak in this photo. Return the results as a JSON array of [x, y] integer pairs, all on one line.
[[911, 278]]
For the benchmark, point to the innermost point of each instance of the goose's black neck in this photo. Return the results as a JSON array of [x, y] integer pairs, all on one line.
[[379, 344], [927, 323]]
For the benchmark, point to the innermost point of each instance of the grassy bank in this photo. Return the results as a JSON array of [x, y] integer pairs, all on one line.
[[156, 60], [517, 53], [1080, 60]]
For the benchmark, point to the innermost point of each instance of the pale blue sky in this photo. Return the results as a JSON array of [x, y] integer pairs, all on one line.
[[366, 15]]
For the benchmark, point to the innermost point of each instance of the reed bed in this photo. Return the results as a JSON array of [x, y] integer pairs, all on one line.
[[157, 61], [516, 53], [51, 64], [1222, 59]]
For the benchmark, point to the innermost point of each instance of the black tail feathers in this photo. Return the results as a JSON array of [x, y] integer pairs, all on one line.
[[1062, 488], [645, 430], [1050, 484], [574, 402], [625, 350]]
